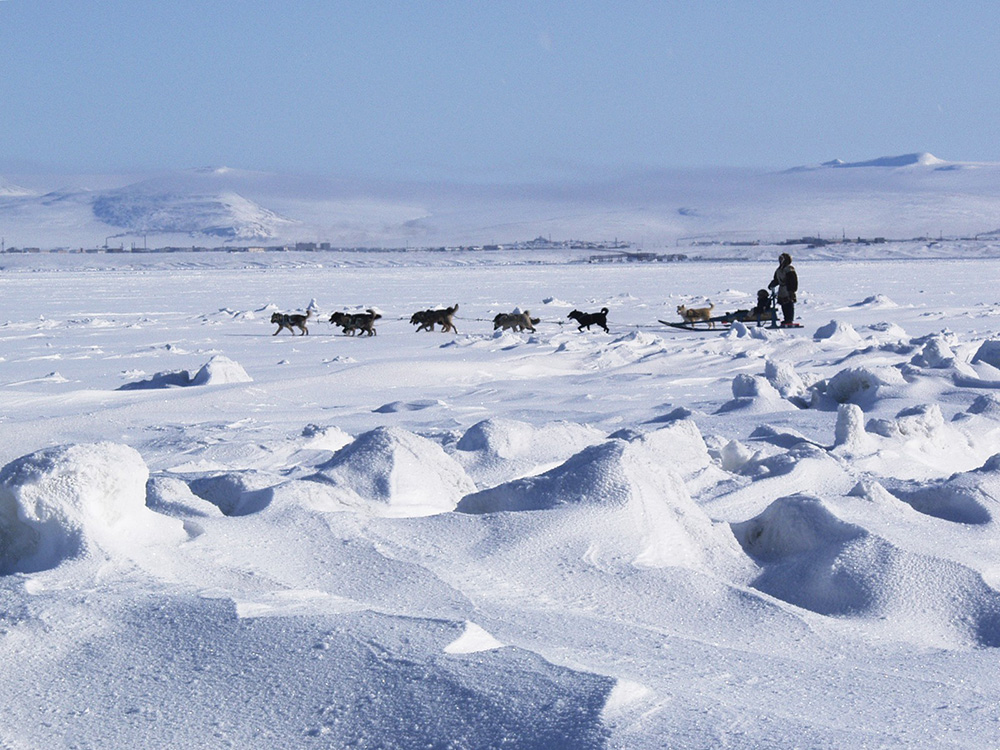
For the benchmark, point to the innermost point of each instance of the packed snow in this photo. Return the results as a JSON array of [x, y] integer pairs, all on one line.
[[215, 536]]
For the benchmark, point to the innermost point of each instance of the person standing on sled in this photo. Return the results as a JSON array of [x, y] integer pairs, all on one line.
[[787, 282]]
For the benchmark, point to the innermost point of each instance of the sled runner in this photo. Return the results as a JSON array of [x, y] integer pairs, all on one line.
[[722, 323], [725, 323]]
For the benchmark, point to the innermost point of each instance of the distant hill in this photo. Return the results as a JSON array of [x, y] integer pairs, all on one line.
[[906, 160], [910, 195]]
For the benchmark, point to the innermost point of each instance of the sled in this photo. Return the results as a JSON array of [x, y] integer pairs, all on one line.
[[747, 317], [723, 322]]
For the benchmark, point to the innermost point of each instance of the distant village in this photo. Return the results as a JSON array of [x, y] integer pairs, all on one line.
[[604, 251], [613, 251]]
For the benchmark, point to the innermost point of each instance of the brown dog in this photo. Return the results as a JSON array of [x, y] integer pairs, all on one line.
[[284, 320], [425, 320], [515, 321], [696, 314]]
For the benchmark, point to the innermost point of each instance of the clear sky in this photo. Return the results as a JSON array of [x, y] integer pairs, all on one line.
[[489, 89]]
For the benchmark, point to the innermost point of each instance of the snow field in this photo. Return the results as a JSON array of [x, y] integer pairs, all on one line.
[[560, 539]]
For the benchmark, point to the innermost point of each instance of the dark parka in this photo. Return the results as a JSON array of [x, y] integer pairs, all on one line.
[[787, 282], [785, 279]]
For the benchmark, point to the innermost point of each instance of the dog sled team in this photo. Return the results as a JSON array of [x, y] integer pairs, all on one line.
[[780, 293], [425, 320]]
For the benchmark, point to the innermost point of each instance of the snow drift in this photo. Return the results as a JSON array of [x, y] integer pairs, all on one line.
[[395, 472], [814, 560], [218, 370], [644, 507], [497, 449], [76, 500]]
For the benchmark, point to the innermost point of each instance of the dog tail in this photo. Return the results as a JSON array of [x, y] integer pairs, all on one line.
[[604, 310]]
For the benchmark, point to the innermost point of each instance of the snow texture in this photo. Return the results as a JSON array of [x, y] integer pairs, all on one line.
[[653, 538]]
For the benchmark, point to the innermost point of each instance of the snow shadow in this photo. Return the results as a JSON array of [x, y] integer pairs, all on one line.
[[814, 560], [216, 371]]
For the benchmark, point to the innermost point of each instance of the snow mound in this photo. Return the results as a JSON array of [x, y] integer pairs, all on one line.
[[971, 497], [876, 301], [858, 385], [172, 496], [679, 446], [76, 500], [934, 354], [400, 406], [838, 332], [235, 493], [784, 378], [734, 456], [792, 526], [496, 450], [988, 352], [850, 435], [915, 421], [987, 405], [594, 476], [884, 333], [814, 560], [472, 641], [217, 371], [397, 473], [754, 394], [328, 438], [634, 503]]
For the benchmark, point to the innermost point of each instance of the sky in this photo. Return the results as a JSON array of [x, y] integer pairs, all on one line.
[[491, 91]]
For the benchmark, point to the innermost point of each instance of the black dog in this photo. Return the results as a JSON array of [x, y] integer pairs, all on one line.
[[351, 323], [586, 320]]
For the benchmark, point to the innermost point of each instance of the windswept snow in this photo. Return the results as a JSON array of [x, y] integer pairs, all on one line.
[[210, 535], [77, 501]]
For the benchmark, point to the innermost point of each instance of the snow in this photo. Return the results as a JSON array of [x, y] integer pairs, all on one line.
[[212, 536], [906, 196]]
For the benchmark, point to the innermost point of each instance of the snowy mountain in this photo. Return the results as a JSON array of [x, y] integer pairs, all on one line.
[[151, 211], [10, 190], [889, 162], [903, 196]]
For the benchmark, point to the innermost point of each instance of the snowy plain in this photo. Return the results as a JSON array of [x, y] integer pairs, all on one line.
[[642, 538]]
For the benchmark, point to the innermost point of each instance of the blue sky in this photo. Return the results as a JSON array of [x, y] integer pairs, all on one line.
[[491, 91]]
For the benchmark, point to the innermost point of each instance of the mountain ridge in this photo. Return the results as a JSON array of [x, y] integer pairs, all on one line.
[[913, 194]]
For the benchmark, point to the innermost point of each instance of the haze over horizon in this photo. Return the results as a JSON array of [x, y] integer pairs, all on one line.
[[489, 93]]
